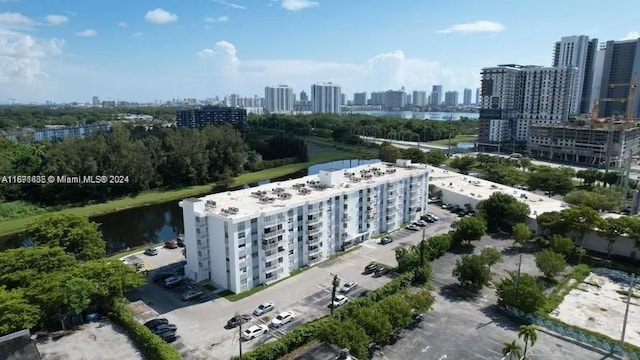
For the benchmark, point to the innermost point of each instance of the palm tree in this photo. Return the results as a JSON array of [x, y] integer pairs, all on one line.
[[529, 334], [513, 350]]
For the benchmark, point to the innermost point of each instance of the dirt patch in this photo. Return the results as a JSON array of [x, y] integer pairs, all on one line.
[[98, 340], [598, 304]]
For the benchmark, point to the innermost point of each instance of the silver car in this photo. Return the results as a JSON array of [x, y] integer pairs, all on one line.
[[264, 308]]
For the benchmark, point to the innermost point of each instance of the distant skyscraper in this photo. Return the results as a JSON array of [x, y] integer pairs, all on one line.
[[408, 99], [278, 99], [620, 72], [304, 96], [343, 99], [466, 99], [451, 98], [95, 101], [419, 98], [377, 98], [360, 98], [436, 95], [477, 96], [394, 99], [325, 98], [579, 52]]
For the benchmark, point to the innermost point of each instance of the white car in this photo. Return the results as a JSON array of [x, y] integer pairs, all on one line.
[[339, 300], [283, 318], [433, 216], [264, 308], [254, 331], [347, 287]]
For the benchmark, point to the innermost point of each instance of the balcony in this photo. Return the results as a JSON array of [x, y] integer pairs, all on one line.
[[273, 266], [313, 240], [314, 231], [272, 255], [269, 245], [313, 250], [273, 234]]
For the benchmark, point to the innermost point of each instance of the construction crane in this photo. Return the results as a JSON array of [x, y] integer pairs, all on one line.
[[627, 161]]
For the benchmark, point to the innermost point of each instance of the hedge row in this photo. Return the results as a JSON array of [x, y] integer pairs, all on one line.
[[305, 333], [151, 346]]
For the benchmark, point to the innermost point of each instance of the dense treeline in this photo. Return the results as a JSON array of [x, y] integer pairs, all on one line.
[[38, 116], [346, 128], [166, 157], [279, 146]]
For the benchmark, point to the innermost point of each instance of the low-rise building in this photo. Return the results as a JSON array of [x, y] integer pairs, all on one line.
[[211, 115], [238, 240]]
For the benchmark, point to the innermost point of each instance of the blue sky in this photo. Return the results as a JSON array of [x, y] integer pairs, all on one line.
[[143, 50]]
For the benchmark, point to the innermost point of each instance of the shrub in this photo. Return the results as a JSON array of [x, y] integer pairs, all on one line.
[[151, 346]]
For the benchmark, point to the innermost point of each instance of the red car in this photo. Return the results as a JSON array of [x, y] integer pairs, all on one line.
[[172, 244]]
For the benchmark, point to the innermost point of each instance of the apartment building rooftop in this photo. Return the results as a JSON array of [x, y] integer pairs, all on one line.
[[291, 193]]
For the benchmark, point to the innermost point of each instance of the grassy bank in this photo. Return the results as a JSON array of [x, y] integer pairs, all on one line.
[[162, 195], [455, 140]]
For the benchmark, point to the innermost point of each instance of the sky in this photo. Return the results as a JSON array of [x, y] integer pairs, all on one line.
[[148, 50]]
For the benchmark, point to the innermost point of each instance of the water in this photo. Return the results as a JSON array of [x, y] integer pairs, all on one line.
[[421, 115], [162, 222]]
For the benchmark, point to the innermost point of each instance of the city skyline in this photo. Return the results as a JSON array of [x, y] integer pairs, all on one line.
[[66, 51]]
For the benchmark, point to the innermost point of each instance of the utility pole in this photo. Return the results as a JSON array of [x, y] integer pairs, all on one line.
[[518, 278], [335, 283], [626, 312], [450, 123]]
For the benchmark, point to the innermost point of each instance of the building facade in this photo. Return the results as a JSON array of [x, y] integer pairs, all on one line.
[[278, 99], [451, 98], [466, 98], [419, 98], [58, 132], [360, 98], [326, 98], [579, 52], [245, 238], [436, 95], [620, 75], [211, 115]]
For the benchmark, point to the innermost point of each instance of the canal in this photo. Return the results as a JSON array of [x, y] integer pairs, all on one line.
[[162, 222]]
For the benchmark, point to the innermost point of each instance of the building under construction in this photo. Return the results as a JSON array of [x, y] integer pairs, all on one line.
[[590, 142]]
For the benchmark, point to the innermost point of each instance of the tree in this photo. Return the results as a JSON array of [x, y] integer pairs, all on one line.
[[552, 223], [528, 334], [20, 267], [415, 155], [420, 301], [502, 210], [112, 278], [397, 310], [491, 256], [611, 229], [389, 153], [598, 199], [435, 157], [521, 233], [472, 272], [550, 263], [462, 163], [504, 174], [581, 220], [522, 292], [440, 244], [562, 245], [374, 322], [524, 163], [469, 229], [348, 335], [512, 350], [588, 176], [76, 234], [551, 180], [16, 313]]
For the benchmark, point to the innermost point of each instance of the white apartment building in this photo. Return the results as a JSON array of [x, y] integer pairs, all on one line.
[[579, 52], [419, 98], [278, 99], [238, 240], [326, 98]]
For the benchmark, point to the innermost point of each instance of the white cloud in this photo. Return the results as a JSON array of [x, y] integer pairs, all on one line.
[[631, 35], [295, 5], [160, 16], [56, 19], [87, 33], [13, 19], [230, 4], [21, 55], [138, 34], [219, 19], [390, 70], [474, 27], [122, 24]]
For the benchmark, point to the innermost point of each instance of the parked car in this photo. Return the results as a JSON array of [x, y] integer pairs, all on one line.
[[386, 240], [254, 331], [372, 267], [348, 286], [171, 244], [413, 228], [445, 205], [420, 223], [151, 252], [427, 218], [180, 240], [159, 278], [172, 281], [381, 271], [164, 328], [264, 308], [238, 320], [192, 295], [432, 216], [338, 301], [151, 324], [282, 318], [169, 336]]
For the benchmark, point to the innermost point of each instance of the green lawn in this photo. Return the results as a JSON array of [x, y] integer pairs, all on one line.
[[455, 140], [159, 196]]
